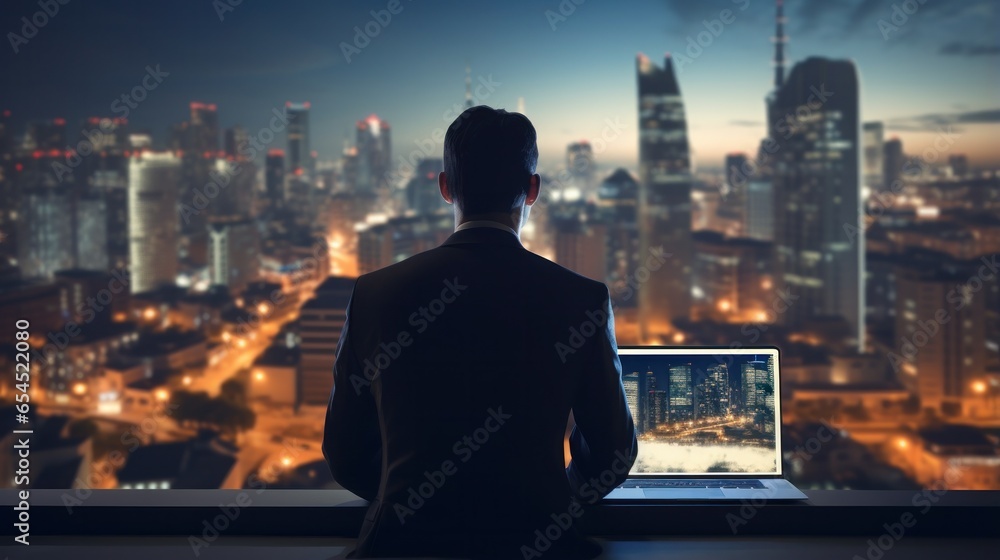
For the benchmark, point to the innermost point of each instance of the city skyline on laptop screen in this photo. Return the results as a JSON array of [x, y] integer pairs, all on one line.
[[704, 411]]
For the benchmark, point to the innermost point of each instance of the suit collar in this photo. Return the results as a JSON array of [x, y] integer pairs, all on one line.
[[478, 235]]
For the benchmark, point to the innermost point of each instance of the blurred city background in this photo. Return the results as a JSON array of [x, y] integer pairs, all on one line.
[[188, 190]]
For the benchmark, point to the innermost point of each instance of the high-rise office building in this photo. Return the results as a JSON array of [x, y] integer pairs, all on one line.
[[681, 393], [321, 322], [939, 361], [350, 170], [713, 393], [204, 127], [732, 278], [617, 208], [819, 256], [665, 196], [732, 210], [380, 245], [759, 210], [581, 166], [46, 135], [236, 142], [92, 232], [45, 232], [374, 143], [893, 160], [758, 384], [274, 178], [299, 156], [152, 224], [580, 244], [873, 164], [422, 193], [640, 396], [959, 165], [233, 252]]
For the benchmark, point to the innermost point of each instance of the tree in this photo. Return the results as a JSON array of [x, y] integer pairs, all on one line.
[[84, 428], [234, 391]]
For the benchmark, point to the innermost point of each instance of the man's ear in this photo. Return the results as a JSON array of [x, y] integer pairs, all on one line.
[[443, 187], [534, 185]]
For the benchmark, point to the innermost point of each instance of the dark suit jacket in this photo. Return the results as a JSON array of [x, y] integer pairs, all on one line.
[[455, 375]]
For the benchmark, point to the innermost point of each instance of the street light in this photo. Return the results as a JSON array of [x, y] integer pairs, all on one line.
[[979, 387]]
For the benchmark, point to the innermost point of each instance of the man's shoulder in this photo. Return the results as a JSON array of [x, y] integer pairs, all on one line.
[[566, 276], [531, 265]]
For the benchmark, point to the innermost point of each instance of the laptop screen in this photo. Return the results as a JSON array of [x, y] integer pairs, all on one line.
[[704, 411]]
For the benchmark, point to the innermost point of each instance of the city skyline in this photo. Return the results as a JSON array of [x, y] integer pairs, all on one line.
[[209, 268], [561, 104]]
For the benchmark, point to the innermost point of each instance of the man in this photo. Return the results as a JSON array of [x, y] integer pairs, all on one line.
[[457, 370]]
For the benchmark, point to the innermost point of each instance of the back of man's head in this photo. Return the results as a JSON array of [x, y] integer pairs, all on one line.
[[489, 158]]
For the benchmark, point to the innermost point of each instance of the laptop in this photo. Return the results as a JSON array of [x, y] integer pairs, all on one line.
[[708, 422]]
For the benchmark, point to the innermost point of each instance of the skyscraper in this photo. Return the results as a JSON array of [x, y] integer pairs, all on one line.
[[299, 157], [759, 210], [236, 141], [422, 193], [374, 145], [681, 393], [45, 232], [321, 322], [758, 385], [819, 253], [893, 160], [91, 232], [233, 252], [617, 201], [274, 178], [664, 196], [152, 224], [580, 164], [640, 396], [732, 209], [874, 167], [712, 397], [580, 241], [204, 127]]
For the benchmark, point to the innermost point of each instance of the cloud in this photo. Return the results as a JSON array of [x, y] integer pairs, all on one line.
[[749, 123], [932, 122], [959, 48]]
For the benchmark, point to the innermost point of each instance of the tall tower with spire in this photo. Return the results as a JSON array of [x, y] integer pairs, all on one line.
[[779, 45], [664, 198], [468, 86]]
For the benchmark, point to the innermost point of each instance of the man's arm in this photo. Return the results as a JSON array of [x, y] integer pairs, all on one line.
[[604, 439], [352, 443]]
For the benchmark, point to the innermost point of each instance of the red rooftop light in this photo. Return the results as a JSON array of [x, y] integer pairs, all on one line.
[[59, 121]]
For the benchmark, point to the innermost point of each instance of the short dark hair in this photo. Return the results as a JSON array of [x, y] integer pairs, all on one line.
[[489, 158]]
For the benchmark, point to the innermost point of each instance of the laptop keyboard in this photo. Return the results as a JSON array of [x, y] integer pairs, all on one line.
[[691, 483]]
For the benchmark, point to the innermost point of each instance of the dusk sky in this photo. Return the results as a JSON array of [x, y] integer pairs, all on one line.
[[941, 66]]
